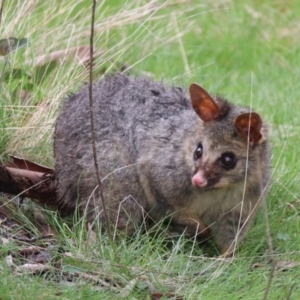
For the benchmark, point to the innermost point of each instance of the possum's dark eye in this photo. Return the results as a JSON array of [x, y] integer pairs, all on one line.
[[228, 160], [198, 151]]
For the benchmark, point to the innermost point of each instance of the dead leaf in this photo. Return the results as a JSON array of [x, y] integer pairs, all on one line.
[[24, 164], [93, 278], [23, 94], [4, 214], [33, 268], [91, 236], [284, 265], [42, 224], [35, 255], [78, 255], [5, 241], [9, 260], [31, 184], [2, 219], [40, 257], [28, 251], [158, 296], [128, 288]]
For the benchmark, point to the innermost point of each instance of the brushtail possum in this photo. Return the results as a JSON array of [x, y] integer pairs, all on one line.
[[200, 161]]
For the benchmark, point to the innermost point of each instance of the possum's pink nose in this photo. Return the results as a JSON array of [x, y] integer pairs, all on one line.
[[199, 179]]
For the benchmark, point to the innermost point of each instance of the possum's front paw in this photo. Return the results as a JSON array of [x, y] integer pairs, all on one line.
[[191, 225], [228, 250]]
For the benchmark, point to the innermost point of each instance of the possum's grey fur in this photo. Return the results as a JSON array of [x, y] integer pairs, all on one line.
[[146, 135]]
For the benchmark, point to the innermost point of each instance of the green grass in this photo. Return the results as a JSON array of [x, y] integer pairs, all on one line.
[[247, 51]]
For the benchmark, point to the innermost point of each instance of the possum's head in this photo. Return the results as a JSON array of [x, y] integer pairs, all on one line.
[[229, 150]]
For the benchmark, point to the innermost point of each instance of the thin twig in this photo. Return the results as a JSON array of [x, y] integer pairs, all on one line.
[[92, 118], [1, 10]]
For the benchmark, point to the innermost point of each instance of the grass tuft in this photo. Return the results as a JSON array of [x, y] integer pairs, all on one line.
[[247, 51]]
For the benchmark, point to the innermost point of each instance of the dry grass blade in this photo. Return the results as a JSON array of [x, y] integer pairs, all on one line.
[[80, 53], [36, 126], [33, 268], [128, 288], [27, 8], [217, 43], [130, 16]]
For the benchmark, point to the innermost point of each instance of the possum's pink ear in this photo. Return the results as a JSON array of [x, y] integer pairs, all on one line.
[[249, 126], [203, 104]]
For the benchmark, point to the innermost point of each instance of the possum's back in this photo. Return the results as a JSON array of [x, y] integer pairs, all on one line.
[[126, 112]]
